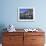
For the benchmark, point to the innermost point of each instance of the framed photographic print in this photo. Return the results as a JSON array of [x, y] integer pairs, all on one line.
[[26, 14]]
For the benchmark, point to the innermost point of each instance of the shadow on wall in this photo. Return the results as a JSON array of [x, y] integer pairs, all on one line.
[[2, 26]]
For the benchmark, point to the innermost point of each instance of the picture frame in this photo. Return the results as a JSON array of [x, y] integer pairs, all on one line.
[[26, 14]]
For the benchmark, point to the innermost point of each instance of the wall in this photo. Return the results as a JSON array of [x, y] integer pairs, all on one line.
[[9, 13]]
